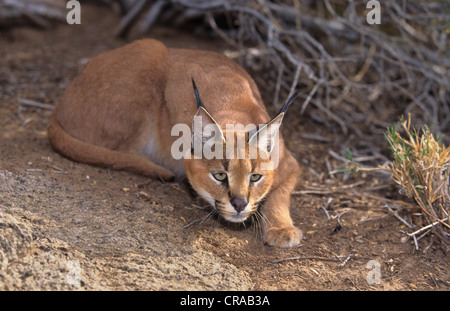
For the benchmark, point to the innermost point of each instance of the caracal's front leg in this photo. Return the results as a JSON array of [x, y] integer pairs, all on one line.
[[278, 228]]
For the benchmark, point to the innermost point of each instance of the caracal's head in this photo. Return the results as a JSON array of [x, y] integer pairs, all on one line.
[[232, 168]]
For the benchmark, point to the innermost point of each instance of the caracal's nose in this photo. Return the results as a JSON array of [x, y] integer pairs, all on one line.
[[239, 204]]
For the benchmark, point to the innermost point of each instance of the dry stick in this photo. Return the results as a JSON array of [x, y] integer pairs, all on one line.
[[395, 214], [323, 190], [276, 96], [307, 258], [324, 207], [34, 170], [153, 14], [295, 81], [439, 221], [345, 261], [58, 170], [220, 33], [413, 235], [128, 20], [416, 243], [38, 11], [28, 102], [310, 95], [333, 259], [437, 279], [366, 65]]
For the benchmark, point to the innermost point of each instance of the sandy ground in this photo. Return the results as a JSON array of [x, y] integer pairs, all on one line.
[[65, 225]]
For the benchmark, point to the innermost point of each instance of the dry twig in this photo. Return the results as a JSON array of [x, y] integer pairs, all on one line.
[[344, 66], [37, 12]]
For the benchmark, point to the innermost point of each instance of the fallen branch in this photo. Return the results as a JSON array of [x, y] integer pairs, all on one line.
[[395, 214], [340, 62], [37, 12], [307, 258], [332, 259], [440, 221], [32, 103]]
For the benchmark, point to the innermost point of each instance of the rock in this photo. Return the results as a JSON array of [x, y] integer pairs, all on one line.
[[51, 240]]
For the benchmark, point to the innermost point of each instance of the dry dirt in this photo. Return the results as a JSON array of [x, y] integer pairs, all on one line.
[[65, 225]]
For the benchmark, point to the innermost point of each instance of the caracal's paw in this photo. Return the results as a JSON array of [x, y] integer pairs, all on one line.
[[166, 175], [283, 237], [162, 174]]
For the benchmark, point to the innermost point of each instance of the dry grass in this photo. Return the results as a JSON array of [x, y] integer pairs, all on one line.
[[421, 167]]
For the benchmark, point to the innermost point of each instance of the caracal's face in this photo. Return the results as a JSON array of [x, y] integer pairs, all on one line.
[[233, 185]]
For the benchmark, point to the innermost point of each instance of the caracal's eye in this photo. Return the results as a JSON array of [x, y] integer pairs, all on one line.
[[255, 177], [220, 176]]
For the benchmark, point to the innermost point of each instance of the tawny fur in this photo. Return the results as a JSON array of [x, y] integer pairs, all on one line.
[[119, 112]]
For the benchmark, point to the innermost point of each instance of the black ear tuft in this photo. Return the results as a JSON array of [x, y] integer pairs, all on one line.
[[288, 103], [274, 124], [198, 100]]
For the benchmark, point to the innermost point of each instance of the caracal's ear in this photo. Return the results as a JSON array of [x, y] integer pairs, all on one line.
[[204, 127], [264, 135]]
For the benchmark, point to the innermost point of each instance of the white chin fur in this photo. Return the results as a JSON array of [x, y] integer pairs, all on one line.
[[235, 218]]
